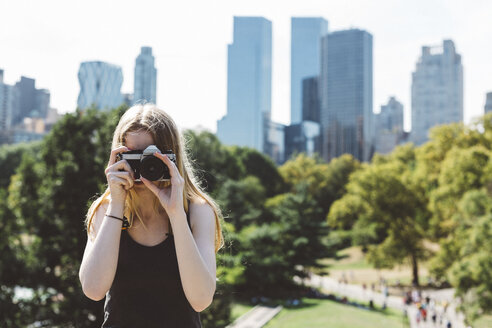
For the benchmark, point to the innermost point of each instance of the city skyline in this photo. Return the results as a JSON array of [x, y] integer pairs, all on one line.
[[38, 48]]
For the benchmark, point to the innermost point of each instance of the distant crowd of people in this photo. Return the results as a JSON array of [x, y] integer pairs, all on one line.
[[429, 310]]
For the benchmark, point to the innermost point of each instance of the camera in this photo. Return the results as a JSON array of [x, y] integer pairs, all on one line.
[[144, 163]]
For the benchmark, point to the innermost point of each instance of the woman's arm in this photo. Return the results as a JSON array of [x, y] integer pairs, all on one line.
[[196, 254], [98, 266]]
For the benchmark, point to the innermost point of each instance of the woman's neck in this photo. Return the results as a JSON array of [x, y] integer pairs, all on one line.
[[145, 206]]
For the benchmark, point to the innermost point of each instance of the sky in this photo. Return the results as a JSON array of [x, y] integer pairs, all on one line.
[[47, 40]]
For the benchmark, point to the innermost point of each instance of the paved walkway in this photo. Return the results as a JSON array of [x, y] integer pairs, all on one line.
[[257, 317], [356, 292]]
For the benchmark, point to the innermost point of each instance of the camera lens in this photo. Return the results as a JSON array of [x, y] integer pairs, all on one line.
[[152, 168]]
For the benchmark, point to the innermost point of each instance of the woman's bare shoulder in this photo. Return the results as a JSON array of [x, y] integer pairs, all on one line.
[[200, 204], [198, 201], [199, 207]]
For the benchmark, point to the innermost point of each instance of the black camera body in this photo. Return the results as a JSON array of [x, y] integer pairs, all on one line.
[[144, 163]]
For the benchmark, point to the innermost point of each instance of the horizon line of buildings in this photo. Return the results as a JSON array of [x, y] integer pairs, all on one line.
[[25, 111], [331, 93]]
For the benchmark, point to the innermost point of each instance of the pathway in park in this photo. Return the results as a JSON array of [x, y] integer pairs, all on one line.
[[357, 292], [257, 317]]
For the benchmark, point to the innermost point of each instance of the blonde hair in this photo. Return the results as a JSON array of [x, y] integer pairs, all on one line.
[[166, 136]]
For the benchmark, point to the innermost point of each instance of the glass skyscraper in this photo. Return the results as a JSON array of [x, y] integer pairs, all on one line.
[[100, 85], [249, 84], [145, 77], [437, 90], [346, 91], [305, 58]]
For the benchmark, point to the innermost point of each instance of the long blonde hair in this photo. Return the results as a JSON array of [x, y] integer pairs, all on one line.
[[166, 136]]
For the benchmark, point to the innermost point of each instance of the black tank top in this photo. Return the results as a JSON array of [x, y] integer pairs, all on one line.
[[147, 290]]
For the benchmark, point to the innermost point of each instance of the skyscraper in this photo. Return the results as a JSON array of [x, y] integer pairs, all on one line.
[[389, 126], [305, 58], [26, 100], [346, 94], [391, 116], [6, 105], [488, 103], [42, 103], [145, 76], [249, 84], [29, 101], [437, 90], [100, 85]]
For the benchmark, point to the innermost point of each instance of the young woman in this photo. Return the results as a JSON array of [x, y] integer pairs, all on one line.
[[160, 271]]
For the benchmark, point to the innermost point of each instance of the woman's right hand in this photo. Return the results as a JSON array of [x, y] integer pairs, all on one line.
[[119, 175]]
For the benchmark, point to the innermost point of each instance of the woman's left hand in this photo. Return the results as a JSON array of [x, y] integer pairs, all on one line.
[[171, 198]]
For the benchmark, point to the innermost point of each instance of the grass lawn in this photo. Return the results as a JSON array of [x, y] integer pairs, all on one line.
[[350, 258], [352, 265], [483, 322], [326, 313]]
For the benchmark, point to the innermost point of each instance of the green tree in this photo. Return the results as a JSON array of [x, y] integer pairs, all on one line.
[[261, 166], [12, 309], [461, 170], [49, 196], [326, 182], [386, 211], [212, 161], [242, 201], [10, 159], [274, 253], [471, 275]]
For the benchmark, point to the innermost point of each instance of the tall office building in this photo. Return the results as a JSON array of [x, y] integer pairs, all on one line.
[[346, 94], [26, 100], [389, 127], [437, 90], [145, 76], [488, 103], [304, 137], [305, 58], [23, 111], [391, 116], [29, 101], [249, 84], [42, 103], [6, 104], [100, 85]]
